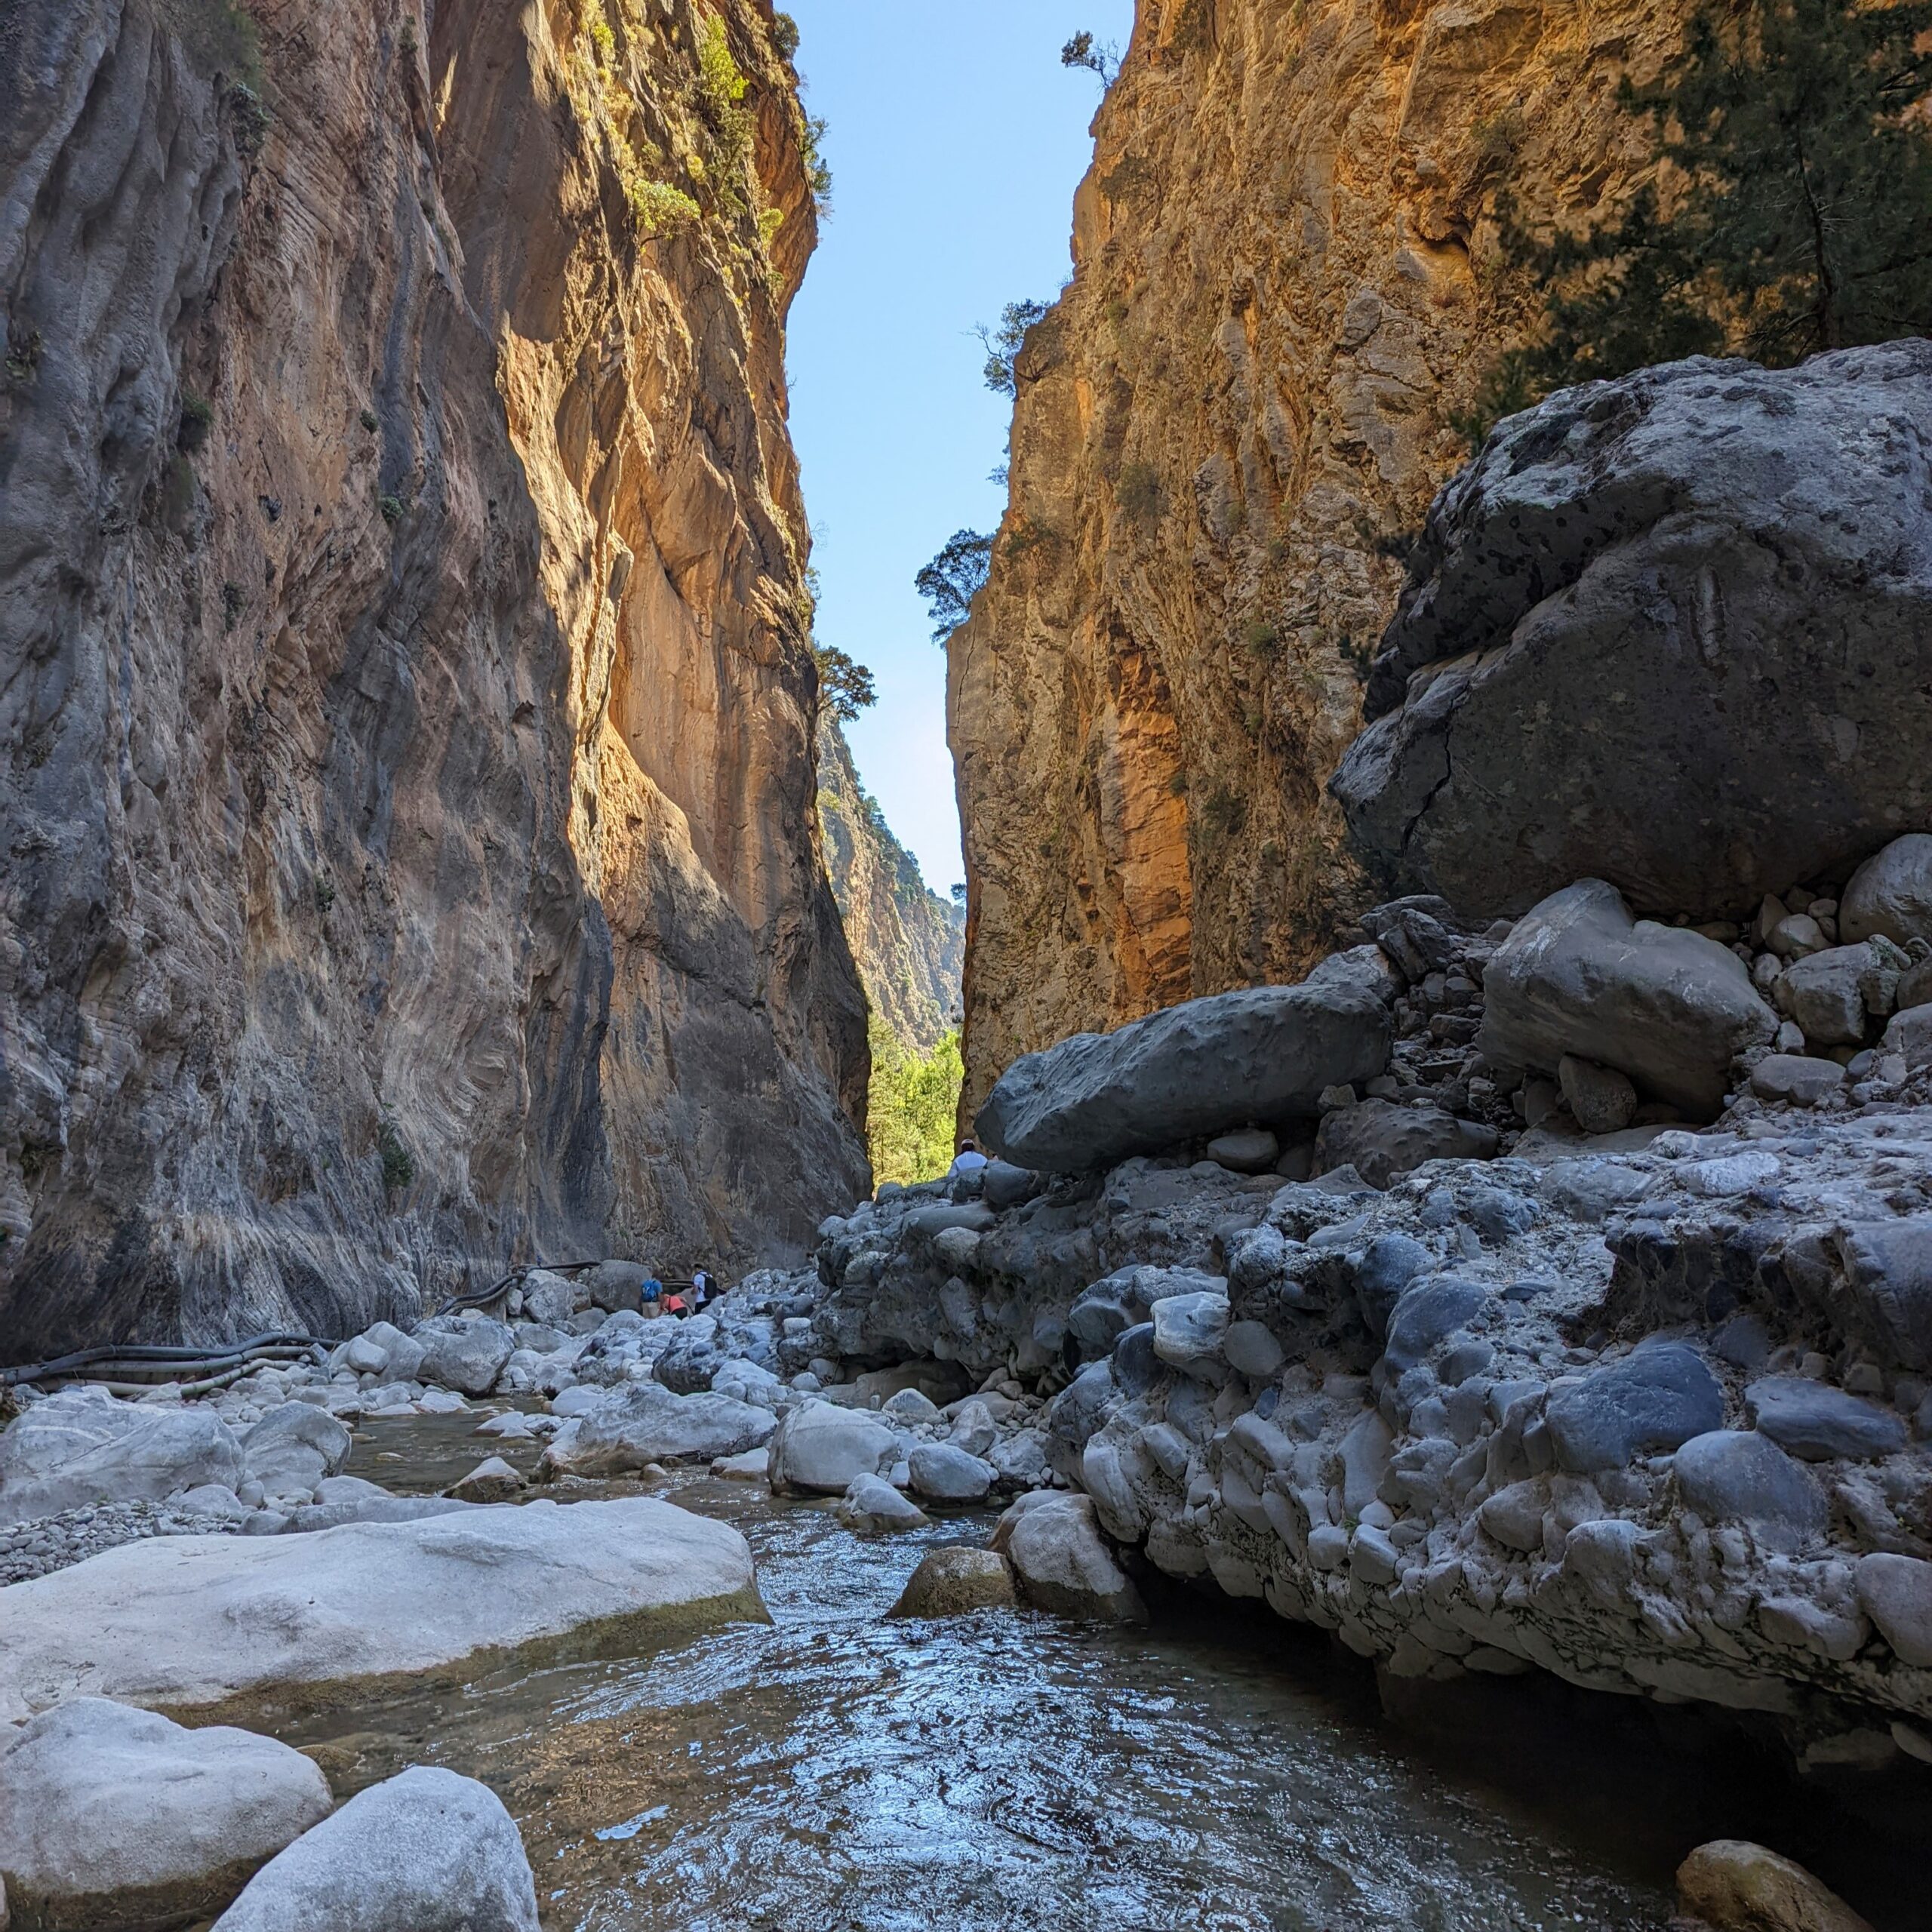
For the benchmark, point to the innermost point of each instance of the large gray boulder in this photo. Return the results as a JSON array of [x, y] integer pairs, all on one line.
[[643, 1422], [1657, 1398], [1381, 1141], [82, 1446], [429, 1851], [295, 1448], [820, 1449], [1052, 1540], [1668, 631], [1890, 896], [225, 1624], [464, 1352], [1261, 1055], [115, 1818], [1666, 1006]]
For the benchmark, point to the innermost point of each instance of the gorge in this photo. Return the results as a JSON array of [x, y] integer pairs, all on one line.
[[1425, 1417]]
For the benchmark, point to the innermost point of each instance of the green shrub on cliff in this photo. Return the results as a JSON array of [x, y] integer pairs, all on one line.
[[1786, 215], [912, 1107]]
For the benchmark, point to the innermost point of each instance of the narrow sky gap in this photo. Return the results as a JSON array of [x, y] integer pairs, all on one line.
[[957, 140]]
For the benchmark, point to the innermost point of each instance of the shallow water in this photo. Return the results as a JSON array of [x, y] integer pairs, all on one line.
[[834, 1770]]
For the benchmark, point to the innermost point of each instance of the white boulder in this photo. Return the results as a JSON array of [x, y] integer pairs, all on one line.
[[82, 1446], [818, 1449], [223, 1622], [428, 1851], [116, 1817]]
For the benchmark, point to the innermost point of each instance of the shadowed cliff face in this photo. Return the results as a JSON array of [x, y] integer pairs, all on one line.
[[1226, 431], [411, 860]]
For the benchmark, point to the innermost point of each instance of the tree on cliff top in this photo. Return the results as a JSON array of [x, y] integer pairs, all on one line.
[[1788, 215], [949, 583], [845, 686]]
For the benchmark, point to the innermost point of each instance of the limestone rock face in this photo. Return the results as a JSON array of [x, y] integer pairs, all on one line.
[[1593, 668], [909, 943], [1225, 430], [409, 724]]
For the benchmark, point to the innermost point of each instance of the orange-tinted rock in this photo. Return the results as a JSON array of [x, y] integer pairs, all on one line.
[[1225, 430]]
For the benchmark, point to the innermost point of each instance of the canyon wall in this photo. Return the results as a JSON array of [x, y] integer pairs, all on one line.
[[909, 944], [1226, 434], [411, 857]]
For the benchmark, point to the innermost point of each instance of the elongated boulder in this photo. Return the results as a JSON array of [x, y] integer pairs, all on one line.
[[1052, 1540], [1667, 1007], [1189, 1071], [82, 1446], [1668, 631], [644, 1422], [232, 1625], [428, 1851], [116, 1817], [1732, 1885]]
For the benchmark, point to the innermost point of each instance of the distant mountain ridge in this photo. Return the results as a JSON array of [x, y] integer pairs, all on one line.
[[908, 941]]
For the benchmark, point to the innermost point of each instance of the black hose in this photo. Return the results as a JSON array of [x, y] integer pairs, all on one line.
[[130, 1360]]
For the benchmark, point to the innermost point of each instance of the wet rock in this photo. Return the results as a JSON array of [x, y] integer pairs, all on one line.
[[467, 1353], [1896, 1592], [944, 1473], [425, 1852], [115, 1818], [818, 1449], [1564, 604], [492, 1481], [1062, 1564], [1890, 894], [1664, 1006], [1189, 1334], [1261, 1054], [82, 1446], [1656, 1398], [295, 1448], [1798, 1081], [1816, 1422], [1380, 1139], [955, 1582], [193, 1622], [1731, 1885], [872, 1507], [1736, 1476], [1601, 1100], [643, 1422]]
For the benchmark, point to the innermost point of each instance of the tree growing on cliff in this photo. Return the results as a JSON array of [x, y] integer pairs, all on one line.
[[1003, 344], [1100, 57], [845, 686], [1787, 214], [950, 581]]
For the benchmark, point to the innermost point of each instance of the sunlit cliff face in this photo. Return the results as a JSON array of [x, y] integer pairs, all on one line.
[[1225, 432], [410, 774]]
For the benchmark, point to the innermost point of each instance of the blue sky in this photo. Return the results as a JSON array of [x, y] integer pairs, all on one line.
[[957, 140]]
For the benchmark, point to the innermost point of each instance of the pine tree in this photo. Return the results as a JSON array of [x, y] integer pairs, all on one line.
[[1789, 215]]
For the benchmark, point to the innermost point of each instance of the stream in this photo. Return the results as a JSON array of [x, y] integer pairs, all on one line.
[[836, 1769]]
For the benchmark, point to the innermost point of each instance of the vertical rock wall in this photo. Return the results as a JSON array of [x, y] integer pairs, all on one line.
[[410, 862], [909, 943], [1226, 432]]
